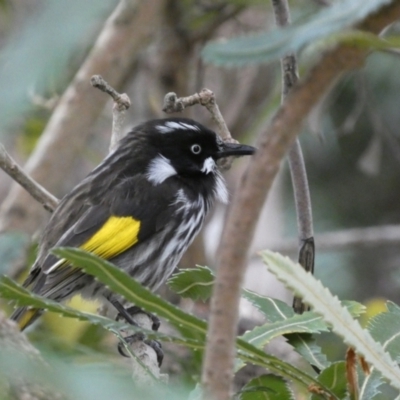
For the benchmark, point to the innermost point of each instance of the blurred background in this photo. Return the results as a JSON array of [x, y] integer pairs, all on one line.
[[58, 126]]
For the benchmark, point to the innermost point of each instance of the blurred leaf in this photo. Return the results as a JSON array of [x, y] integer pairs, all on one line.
[[195, 283], [42, 48], [266, 47], [13, 246], [266, 387], [306, 346], [334, 377]]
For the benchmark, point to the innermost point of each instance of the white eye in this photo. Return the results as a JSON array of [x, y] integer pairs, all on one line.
[[196, 149]]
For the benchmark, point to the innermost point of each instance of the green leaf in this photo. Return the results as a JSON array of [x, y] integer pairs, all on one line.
[[267, 47], [119, 282], [190, 326], [334, 313], [307, 322], [274, 310], [11, 290], [334, 377], [306, 346], [195, 283], [384, 328], [266, 387]]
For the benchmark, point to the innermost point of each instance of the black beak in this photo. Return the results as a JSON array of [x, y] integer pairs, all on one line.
[[234, 149]]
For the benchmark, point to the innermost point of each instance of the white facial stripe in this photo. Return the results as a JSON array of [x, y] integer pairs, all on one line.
[[170, 126], [209, 165], [164, 129], [159, 170]]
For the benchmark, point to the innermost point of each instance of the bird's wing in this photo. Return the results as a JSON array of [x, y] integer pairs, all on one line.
[[133, 212]]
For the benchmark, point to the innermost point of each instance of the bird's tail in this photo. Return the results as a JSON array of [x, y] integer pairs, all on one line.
[[25, 316]]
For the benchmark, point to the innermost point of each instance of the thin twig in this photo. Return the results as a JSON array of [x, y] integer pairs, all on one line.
[[347, 239], [38, 192], [206, 98], [255, 183], [121, 103], [296, 162]]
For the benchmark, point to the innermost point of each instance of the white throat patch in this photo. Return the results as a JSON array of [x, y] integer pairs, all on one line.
[[209, 165], [159, 170]]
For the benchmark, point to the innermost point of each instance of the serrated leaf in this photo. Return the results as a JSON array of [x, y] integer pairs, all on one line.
[[190, 326], [267, 47], [274, 310], [266, 387], [324, 303], [306, 346], [307, 322], [334, 377], [369, 385], [393, 308], [11, 290], [195, 283], [384, 328]]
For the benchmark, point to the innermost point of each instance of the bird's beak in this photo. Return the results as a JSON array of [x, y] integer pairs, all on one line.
[[234, 149]]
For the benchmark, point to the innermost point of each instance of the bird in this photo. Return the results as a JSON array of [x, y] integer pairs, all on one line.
[[139, 209]]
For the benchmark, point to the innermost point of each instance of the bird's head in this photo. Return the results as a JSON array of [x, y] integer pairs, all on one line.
[[183, 147]]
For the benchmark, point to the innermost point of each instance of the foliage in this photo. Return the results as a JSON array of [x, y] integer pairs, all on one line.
[[329, 26], [300, 330]]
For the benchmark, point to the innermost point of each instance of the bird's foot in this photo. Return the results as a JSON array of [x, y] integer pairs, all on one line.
[[140, 336]]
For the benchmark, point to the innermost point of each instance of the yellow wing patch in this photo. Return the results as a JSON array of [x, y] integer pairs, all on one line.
[[114, 237]]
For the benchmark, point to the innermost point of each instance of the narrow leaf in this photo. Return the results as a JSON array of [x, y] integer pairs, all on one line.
[[306, 346], [307, 322], [266, 387], [267, 47], [195, 283], [329, 307], [334, 377]]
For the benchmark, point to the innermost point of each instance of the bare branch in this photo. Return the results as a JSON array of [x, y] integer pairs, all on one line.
[[121, 103], [347, 239], [39, 193], [296, 162], [206, 98], [254, 187]]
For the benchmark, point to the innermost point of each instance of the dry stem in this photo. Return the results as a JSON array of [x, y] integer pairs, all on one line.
[[254, 186], [121, 103], [39, 193]]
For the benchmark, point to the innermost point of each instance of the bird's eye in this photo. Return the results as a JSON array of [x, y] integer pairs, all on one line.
[[196, 149]]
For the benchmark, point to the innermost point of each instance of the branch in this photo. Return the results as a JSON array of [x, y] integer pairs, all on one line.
[[69, 127], [347, 239], [296, 162], [121, 103], [206, 98], [254, 186], [39, 193]]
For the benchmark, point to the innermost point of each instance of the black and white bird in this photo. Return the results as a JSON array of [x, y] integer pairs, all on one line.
[[140, 209]]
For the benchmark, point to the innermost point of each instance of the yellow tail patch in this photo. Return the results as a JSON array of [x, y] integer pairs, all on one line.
[[115, 236], [26, 318]]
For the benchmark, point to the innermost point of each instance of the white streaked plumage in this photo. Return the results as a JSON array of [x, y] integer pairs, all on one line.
[[159, 170]]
